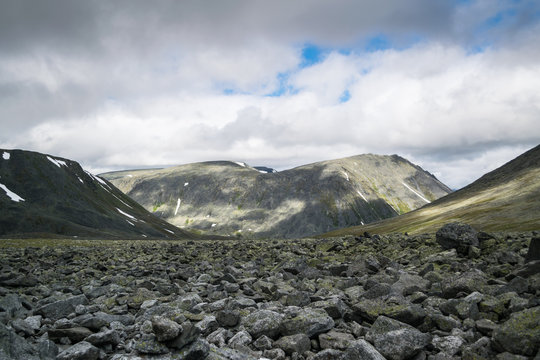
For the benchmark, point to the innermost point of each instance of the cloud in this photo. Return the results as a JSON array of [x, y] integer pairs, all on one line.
[[138, 83]]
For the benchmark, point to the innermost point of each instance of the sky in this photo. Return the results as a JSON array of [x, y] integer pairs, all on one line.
[[451, 85]]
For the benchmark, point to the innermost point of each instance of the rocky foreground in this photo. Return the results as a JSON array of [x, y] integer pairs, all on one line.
[[460, 294]]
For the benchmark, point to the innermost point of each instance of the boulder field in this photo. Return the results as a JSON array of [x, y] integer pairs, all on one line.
[[457, 294]]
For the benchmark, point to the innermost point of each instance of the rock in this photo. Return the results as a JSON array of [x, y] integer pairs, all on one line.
[[276, 354], [335, 340], [12, 305], [263, 343], [20, 325], [229, 354], [62, 308], [74, 334], [370, 310], [228, 318], [328, 354], [308, 321], [334, 307], [148, 344], [361, 349], [396, 340], [106, 337], [197, 350], [207, 324], [298, 343], [472, 280], [449, 345], [80, 351], [457, 236], [14, 347], [47, 349], [378, 291], [165, 329], [263, 322], [486, 326], [242, 338], [521, 333], [189, 334], [534, 250], [219, 337]]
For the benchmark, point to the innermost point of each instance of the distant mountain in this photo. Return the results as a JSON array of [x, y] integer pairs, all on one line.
[[47, 196], [505, 199], [233, 198]]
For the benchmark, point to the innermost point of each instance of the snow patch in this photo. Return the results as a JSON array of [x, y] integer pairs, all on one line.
[[6, 155], [214, 225], [346, 175], [129, 175], [361, 222], [186, 184], [11, 194], [417, 194], [57, 162], [126, 214], [177, 206], [144, 235], [363, 197], [169, 231], [130, 223], [82, 182], [240, 163]]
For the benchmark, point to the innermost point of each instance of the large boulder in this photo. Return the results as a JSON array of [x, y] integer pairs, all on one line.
[[263, 322], [534, 250], [62, 308], [12, 346], [521, 333], [396, 340], [457, 236], [308, 321], [80, 351]]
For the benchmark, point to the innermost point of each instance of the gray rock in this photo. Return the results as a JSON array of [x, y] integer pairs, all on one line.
[[228, 318], [335, 340], [207, 324], [328, 354], [263, 343], [242, 338], [106, 337], [12, 305], [449, 345], [34, 322], [197, 350], [47, 349], [165, 329], [275, 354], [468, 282], [396, 340], [361, 349], [80, 351], [74, 334], [457, 236], [14, 347], [308, 321], [534, 250], [263, 322], [189, 334], [486, 326], [334, 307], [148, 344], [521, 333], [228, 354], [20, 325], [62, 308], [298, 343]]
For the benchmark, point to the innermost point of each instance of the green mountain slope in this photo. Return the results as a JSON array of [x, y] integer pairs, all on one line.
[[232, 198], [42, 195], [505, 199]]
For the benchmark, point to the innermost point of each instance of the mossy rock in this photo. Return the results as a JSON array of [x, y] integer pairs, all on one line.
[[521, 333]]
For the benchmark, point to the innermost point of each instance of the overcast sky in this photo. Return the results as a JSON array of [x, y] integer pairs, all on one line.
[[453, 86]]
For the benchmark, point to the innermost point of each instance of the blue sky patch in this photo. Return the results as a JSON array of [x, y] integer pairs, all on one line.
[[311, 55], [377, 43], [345, 96]]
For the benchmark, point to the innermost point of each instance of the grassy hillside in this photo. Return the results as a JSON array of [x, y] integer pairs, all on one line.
[[233, 198], [506, 199]]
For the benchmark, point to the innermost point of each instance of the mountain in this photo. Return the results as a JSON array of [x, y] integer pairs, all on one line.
[[233, 198], [47, 196], [505, 199]]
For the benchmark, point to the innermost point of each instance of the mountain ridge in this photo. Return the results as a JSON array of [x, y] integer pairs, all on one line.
[[505, 199], [235, 198], [56, 197]]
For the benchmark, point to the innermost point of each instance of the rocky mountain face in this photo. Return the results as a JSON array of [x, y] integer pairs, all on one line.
[[507, 198], [456, 294], [233, 198], [43, 195]]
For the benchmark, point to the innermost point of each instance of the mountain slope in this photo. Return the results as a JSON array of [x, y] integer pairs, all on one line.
[[230, 197], [42, 195], [505, 199]]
